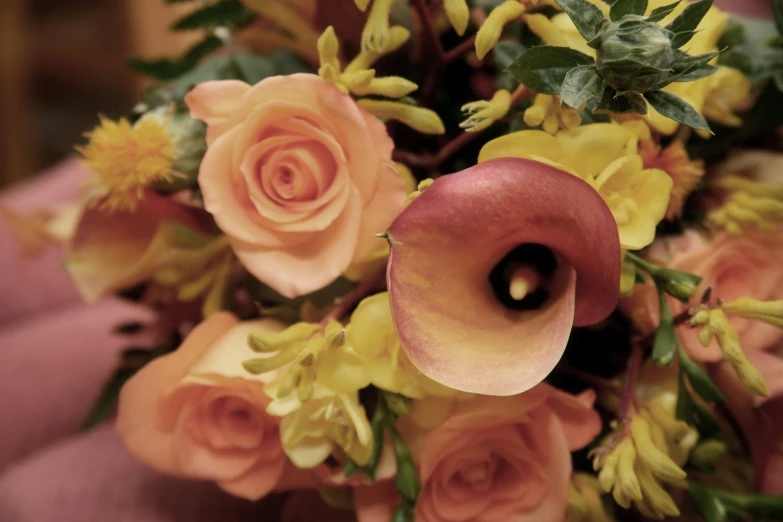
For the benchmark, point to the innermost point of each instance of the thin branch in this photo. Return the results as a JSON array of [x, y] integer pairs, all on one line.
[[629, 384], [429, 27], [352, 298], [459, 50]]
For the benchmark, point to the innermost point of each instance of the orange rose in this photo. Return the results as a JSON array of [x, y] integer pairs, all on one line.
[[734, 266], [297, 176], [195, 413], [493, 459]]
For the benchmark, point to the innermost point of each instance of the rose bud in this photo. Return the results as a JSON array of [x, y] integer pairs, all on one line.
[[490, 268]]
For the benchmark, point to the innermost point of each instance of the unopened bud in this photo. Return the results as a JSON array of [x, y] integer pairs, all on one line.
[[418, 118], [705, 454], [490, 31]]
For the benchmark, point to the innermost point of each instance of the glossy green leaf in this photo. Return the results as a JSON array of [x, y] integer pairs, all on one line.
[[659, 13], [674, 107], [586, 16], [665, 341], [581, 84], [625, 7], [709, 506], [544, 68], [700, 381], [687, 22], [224, 12], [614, 103]]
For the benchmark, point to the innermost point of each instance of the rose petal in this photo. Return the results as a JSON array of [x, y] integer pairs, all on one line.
[[214, 103]]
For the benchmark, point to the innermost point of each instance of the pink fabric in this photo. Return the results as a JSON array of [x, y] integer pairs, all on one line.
[[34, 286], [92, 479]]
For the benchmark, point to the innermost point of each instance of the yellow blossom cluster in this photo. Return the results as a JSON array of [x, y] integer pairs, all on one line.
[[749, 203]]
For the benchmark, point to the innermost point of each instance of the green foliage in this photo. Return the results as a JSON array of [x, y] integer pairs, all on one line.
[[751, 48], [674, 107], [586, 16], [580, 85], [224, 12], [700, 381], [723, 506], [165, 69], [659, 13], [690, 410], [684, 26], [613, 102], [621, 8], [545, 67], [665, 340]]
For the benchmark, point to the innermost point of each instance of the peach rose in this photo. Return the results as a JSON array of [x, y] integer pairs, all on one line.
[[734, 266], [297, 175], [493, 459], [759, 418], [196, 414]]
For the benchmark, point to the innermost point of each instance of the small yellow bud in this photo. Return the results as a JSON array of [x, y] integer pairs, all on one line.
[[749, 186], [329, 49], [398, 35], [389, 86], [490, 31], [267, 364], [418, 118], [706, 453], [423, 185], [332, 75], [752, 379], [770, 312], [375, 37], [548, 112], [485, 113], [626, 487], [270, 342], [362, 4], [658, 462], [458, 13], [357, 80], [656, 499]]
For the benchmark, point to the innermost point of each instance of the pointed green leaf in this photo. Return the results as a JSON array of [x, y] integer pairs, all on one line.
[[613, 102], [225, 12], [665, 336], [709, 506], [626, 7], [544, 68], [674, 107], [581, 84], [777, 6], [684, 25], [701, 382], [586, 16], [659, 13]]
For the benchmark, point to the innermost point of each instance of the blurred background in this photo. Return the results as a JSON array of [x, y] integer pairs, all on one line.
[[62, 63]]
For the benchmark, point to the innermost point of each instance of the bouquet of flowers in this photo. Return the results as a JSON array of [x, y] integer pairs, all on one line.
[[457, 260]]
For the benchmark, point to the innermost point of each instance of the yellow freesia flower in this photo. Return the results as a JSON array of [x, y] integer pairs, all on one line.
[[371, 334], [605, 155], [561, 31], [549, 112], [317, 429]]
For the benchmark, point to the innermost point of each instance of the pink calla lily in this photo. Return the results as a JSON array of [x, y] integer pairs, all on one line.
[[449, 250]]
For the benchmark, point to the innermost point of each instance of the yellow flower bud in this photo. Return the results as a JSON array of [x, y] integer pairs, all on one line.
[[626, 487], [752, 379], [389, 86], [418, 118], [655, 499], [751, 187], [627, 278], [329, 49], [485, 113], [490, 31], [548, 112], [358, 79], [458, 14], [658, 462], [362, 4], [770, 312], [584, 500], [375, 36], [706, 453], [398, 35]]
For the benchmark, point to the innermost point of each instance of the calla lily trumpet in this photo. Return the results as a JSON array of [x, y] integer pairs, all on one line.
[[491, 267]]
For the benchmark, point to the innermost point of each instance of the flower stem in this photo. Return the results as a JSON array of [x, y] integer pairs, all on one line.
[[429, 28], [459, 50], [352, 298], [629, 384]]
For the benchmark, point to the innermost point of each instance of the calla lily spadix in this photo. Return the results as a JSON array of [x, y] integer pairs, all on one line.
[[491, 267]]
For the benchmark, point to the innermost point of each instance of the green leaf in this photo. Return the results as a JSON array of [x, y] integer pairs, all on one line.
[[709, 506], [107, 400], [777, 6], [166, 69], [684, 25], [544, 68], [506, 52], [700, 381], [659, 13], [665, 340], [586, 16], [581, 84], [407, 481], [224, 12], [674, 107], [614, 103], [626, 7], [688, 68]]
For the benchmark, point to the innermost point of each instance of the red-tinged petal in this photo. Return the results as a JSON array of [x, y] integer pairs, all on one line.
[[446, 243]]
